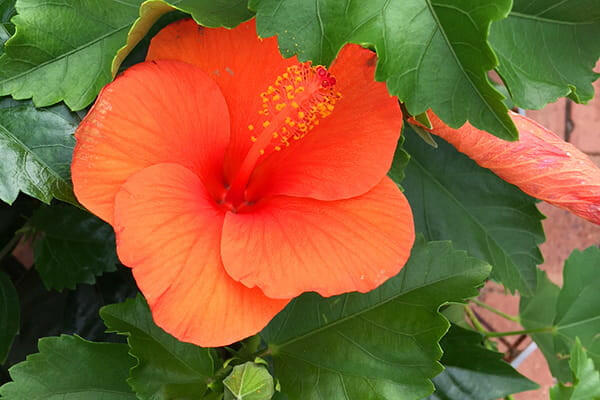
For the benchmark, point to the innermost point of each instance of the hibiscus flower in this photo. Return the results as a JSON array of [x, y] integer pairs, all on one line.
[[236, 179], [540, 163]]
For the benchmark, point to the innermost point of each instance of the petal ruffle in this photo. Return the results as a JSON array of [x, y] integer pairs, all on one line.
[[290, 245], [540, 163], [169, 231], [242, 64], [350, 151], [154, 112]]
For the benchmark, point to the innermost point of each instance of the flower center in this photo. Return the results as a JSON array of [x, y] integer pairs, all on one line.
[[291, 108]]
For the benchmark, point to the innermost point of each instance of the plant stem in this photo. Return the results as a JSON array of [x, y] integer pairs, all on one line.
[[474, 320], [496, 311], [546, 329], [477, 325]]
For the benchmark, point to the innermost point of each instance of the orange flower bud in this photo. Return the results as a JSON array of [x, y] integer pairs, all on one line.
[[540, 163]]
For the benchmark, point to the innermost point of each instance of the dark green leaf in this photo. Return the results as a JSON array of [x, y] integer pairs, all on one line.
[[7, 10], [432, 54], [69, 367], [249, 381], [74, 246], [401, 159], [474, 372], [379, 345], [9, 315], [51, 313], [452, 198], [569, 313], [587, 378], [166, 368], [36, 147], [548, 49]]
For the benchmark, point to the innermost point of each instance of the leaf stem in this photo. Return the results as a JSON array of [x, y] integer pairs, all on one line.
[[474, 320], [481, 304], [545, 329]]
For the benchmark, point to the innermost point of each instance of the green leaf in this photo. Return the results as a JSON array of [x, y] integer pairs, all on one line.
[[587, 378], [64, 51], [577, 311], [51, 313], [69, 367], [249, 381], [382, 344], [452, 198], [432, 54], [166, 368], [7, 10], [74, 247], [227, 13], [36, 147], [474, 372], [538, 312], [215, 13], [9, 315], [401, 159], [548, 49], [569, 313]]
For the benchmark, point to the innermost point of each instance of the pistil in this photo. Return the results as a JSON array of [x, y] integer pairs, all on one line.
[[291, 108]]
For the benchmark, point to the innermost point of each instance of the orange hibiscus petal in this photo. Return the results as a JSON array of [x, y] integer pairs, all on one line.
[[349, 152], [242, 64], [154, 112], [290, 245], [169, 231], [540, 163]]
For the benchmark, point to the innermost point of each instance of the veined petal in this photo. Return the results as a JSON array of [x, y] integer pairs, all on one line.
[[540, 163], [242, 64], [169, 231], [164, 111], [290, 245], [350, 151]]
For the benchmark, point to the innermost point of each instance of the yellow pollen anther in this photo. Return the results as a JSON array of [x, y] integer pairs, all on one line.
[[253, 138], [310, 93]]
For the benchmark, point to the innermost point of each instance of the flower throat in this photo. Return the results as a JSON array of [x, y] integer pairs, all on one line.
[[291, 108]]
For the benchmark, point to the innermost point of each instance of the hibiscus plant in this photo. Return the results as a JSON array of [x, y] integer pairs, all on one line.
[[290, 199]]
